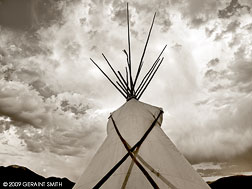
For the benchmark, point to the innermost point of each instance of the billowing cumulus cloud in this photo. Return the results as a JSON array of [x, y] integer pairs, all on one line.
[[226, 107], [47, 123], [21, 103]]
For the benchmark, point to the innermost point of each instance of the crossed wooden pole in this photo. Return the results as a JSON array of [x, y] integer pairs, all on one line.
[[133, 153]]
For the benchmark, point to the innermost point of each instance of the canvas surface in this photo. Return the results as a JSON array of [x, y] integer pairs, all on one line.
[[157, 152]]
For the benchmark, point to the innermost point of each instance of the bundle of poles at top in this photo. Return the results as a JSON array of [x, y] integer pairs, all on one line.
[[127, 86]]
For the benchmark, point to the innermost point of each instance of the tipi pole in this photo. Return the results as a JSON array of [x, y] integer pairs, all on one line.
[[129, 170], [138, 144], [150, 79], [113, 70], [140, 86], [127, 78], [123, 81], [108, 78], [146, 174], [129, 62], [160, 176], [146, 77], [141, 61], [122, 87]]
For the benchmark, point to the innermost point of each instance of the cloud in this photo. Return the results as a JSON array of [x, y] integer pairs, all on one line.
[[221, 117], [213, 62], [233, 8], [177, 46], [231, 28], [46, 124], [37, 77], [197, 12], [29, 14], [21, 103], [4, 124], [141, 13], [216, 139], [242, 70]]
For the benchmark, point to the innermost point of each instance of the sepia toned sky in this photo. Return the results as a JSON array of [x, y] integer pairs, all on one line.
[[54, 103]]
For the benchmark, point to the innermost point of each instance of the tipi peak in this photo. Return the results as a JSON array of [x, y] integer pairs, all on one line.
[[129, 86], [136, 152]]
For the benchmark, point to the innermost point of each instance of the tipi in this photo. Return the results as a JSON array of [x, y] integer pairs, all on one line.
[[136, 153]]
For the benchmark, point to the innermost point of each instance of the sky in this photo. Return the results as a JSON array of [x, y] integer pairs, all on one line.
[[54, 103]]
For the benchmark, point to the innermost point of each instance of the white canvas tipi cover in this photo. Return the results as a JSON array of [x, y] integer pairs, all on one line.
[[157, 154]]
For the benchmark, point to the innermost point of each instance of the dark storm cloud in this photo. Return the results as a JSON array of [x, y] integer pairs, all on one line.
[[15, 14], [232, 124], [245, 159], [231, 28], [34, 144], [20, 103], [58, 127], [28, 14], [16, 68], [242, 77], [199, 12], [43, 89], [248, 27], [32, 109], [213, 62], [232, 9], [70, 143], [211, 74], [119, 13], [140, 10], [32, 94], [210, 31], [215, 73], [216, 88], [62, 140], [76, 109], [240, 70], [21, 55], [4, 124]]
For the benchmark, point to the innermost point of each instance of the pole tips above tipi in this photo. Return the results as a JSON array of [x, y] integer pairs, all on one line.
[[127, 85]]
